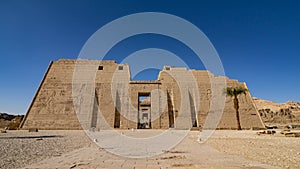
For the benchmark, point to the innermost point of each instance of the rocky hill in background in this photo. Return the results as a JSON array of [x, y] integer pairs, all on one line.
[[10, 121], [278, 114]]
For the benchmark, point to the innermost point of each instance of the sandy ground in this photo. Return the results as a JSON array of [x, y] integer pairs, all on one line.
[[276, 150], [20, 148], [225, 149]]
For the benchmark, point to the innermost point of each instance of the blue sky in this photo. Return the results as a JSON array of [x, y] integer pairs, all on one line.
[[257, 41]]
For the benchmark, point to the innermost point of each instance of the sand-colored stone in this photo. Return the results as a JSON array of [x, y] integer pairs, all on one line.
[[278, 114], [112, 99]]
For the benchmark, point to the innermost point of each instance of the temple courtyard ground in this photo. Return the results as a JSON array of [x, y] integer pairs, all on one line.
[[225, 149]]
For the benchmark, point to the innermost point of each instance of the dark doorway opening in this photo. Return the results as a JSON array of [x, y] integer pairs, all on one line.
[[144, 111]]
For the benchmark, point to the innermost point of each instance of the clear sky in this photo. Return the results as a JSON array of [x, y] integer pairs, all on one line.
[[258, 41]]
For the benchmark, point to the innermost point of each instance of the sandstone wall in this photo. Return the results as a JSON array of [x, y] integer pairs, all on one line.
[[52, 105], [102, 95]]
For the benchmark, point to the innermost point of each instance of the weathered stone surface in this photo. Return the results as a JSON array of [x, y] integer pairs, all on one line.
[[279, 114], [33, 129], [90, 94], [10, 122]]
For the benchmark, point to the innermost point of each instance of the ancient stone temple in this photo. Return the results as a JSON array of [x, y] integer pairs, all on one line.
[[92, 94]]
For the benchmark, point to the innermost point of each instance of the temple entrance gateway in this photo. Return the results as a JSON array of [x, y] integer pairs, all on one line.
[[144, 111]]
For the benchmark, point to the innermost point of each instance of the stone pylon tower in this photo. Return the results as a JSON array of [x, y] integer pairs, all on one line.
[[179, 99]]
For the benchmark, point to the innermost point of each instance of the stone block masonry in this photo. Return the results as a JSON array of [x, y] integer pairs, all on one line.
[[112, 99]]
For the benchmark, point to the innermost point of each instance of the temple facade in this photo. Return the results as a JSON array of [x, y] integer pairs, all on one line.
[[92, 94]]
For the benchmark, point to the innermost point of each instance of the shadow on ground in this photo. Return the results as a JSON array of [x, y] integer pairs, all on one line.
[[32, 137]]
